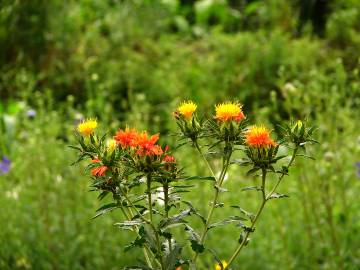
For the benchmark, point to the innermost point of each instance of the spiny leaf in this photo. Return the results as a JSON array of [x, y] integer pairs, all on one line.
[[105, 208], [175, 220], [278, 196], [211, 178], [251, 188], [129, 224], [229, 220], [253, 170], [243, 211]]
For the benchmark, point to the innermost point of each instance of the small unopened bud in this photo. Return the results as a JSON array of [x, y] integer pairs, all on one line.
[[298, 125], [111, 145]]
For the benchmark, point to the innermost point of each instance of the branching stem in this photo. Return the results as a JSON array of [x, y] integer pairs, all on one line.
[[265, 198], [219, 181]]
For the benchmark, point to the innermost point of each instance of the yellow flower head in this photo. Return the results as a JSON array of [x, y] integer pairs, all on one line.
[[111, 145], [259, 137], [229, 111], [186, 109], [218, 267], [87, 127]]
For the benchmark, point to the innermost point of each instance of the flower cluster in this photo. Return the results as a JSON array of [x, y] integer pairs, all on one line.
[[145, 180], [146, 154], [142, 143]]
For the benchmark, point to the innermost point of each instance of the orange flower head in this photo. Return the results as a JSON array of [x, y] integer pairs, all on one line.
[[259, 137], [87, 127], [126, 138], [229, 111], [99, 171], [178, 268], [147, 145], [187, 109], [218, 267]]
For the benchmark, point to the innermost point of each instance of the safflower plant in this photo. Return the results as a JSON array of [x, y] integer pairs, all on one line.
[[136, 171]]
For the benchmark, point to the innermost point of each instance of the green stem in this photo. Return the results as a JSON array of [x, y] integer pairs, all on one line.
[[137, 211], [205, 159], [226, 162], [145, 249], [253, 222], [265, 198], [160, 263], [166, 205], [283, 174], [148, 184], [151, 223]]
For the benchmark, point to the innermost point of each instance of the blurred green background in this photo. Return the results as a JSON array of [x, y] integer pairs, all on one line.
[[133, 62]]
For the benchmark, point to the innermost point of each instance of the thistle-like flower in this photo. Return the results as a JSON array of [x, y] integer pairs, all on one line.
[[229, 111], [147, 145], [259, 137], [87, 127], [186, 109], [126, 138]]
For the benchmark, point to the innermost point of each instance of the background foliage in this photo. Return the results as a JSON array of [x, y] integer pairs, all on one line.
[[132, 62]]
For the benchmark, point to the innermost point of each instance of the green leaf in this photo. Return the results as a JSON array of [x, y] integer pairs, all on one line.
[[305, 156], [243, 211], [210, 178], [278, 196], [241, 162], [253, 171], [246, 228], [278, 158], [147, 232], [175, 220], [229, 220], [105, 209], [138, 242], [194, 239], [103, 194], [75, 147], [183, 186], [197, 247], [194, 211], [129, 225], [137, 268], [251, 188]]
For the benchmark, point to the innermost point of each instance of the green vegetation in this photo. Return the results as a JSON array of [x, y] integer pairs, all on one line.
[[133, 62]]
